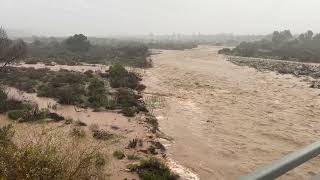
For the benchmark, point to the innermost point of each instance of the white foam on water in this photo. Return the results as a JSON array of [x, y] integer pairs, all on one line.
[[183, 172]]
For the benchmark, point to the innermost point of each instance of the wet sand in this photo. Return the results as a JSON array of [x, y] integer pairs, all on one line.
[[228, 120]]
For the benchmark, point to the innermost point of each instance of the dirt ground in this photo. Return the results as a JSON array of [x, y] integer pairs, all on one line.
[[122, 128], [227, 120]]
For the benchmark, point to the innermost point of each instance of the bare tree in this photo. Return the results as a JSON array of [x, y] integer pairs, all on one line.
[[10, 50], [3, 34]]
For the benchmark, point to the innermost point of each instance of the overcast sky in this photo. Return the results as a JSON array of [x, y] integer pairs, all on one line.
[[132, 17]]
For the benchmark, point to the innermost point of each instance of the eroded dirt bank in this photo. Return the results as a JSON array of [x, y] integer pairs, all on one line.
[[227, 120]]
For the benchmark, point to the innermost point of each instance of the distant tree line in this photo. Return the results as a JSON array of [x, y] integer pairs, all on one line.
[[172, 45], [282, 45], [167, 44], [78, 49]]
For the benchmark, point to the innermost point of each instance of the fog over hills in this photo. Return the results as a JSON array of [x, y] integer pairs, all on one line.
[[125, 17]]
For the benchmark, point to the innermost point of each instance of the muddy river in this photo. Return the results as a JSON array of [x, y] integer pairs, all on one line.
[[227, 120]]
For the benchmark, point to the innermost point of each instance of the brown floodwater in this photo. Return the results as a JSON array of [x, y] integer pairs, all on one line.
[[227, 120], [78, 68]]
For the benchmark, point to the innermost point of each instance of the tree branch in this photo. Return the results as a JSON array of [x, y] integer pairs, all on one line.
[[6, 63]]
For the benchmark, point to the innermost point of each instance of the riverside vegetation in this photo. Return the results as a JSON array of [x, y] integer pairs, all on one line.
[[298, 52], [117, 89], [78, 49], [65, 151], [281, 45]]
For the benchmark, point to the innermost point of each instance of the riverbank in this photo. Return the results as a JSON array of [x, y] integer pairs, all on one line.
[[107, 130]]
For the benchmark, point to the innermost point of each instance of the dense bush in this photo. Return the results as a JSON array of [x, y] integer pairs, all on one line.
[[9, 104], [97, 93], [152, 169], [101, 134], [152, 120], [118, 154], [46, 159], [128, 98], [29, 112], [129, 111], [226, 51], [77, 43], [6, 134], [55, 117], [12, 104], [3, 100], [120, 77], [81, 89], [283, 45], [25, 79], [15, 114], [133, 157], [22, 111], [66, 86]]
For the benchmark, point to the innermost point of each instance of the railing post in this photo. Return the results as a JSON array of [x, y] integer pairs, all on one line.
[[282, 166]]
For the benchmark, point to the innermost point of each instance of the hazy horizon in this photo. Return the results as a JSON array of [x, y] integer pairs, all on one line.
[[142, 17]]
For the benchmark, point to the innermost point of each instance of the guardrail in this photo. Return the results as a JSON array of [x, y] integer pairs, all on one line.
[[282, 166]]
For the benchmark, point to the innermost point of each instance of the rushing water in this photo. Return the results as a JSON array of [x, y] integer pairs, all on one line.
[[228, 120]]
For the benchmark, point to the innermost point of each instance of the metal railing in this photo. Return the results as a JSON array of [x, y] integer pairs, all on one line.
[[282, 166]]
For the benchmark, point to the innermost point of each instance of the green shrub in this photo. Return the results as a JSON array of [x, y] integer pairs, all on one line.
[[101, 134], [70, 94], [133, 157], [97, 93], [30, 162], [111, 103], [6, 134], [100, 161], [32, 112], [225, 51], [12, 104], [16, 114], [48, 160], [3, 99], [152, 169], [55, 116], [133, 143], [152, 120], [120, 77], [118, 154], [74, 88], [126, 97], [3, 95], [66, 86], [129, 111]]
